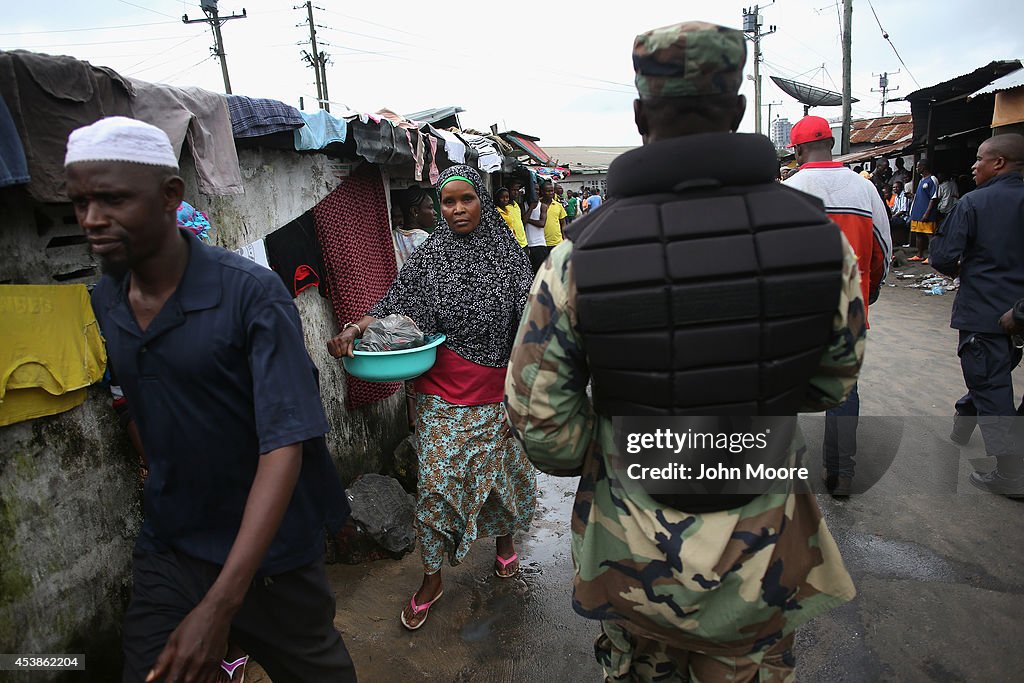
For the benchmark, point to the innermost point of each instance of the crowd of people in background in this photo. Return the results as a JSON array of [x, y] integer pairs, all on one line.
[[538, 220]]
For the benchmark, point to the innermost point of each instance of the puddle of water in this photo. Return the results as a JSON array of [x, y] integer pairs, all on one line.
[[891, 559], [548, 539], [896, 559]]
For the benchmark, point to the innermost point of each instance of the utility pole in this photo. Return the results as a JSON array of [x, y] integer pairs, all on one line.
[[883, 86], [752, 23], [209, 8], [847, 68], [770, 105], [315, 58], [323, 78]]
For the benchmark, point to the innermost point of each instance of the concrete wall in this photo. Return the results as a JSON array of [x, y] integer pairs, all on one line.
[[591, 180], [69, 496]]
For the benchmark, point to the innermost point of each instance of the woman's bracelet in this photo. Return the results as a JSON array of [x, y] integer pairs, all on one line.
[[359, 330]]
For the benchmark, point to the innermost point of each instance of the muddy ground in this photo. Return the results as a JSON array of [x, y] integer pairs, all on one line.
[[939, 566]]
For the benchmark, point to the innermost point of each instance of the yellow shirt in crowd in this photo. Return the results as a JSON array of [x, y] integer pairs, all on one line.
[[552, 226], [514, 218]]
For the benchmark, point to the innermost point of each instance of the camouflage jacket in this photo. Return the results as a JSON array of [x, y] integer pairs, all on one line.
[[726, 583]]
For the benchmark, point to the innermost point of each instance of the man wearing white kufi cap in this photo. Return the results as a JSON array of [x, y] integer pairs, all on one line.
[[208, 349], [121, 139]]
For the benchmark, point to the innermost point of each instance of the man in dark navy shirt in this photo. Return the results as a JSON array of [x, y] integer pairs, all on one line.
[[208, 349], [982, 241]]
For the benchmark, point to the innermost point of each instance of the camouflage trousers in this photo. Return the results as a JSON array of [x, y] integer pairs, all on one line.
[[627, 658]]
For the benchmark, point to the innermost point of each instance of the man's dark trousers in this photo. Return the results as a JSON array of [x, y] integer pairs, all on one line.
[[286, 622], [840, 444], [538, 255], [987, 361]]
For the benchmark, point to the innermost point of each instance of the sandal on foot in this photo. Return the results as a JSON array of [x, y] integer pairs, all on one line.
[[504, 565], [915, 258], [237, 666], [420, 609]]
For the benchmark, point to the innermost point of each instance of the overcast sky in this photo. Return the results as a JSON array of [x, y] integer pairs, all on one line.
[[540, 68]]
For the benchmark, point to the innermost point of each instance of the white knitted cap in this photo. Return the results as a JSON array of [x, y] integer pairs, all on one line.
[[118, 138]]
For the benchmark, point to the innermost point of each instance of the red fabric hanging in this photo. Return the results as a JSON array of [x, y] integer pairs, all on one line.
[[352, 225]]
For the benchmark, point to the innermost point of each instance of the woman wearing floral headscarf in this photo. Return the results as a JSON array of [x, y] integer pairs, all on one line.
[[469, 280]]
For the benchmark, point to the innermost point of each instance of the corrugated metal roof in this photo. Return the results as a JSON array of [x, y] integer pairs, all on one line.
[[530, 147], [965, 84], [586, 157], [881, 130], [522, 135], [1007, 82], [882, 151], [436, 114]]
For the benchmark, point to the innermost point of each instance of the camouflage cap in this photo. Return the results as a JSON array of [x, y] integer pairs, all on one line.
[[690, 59]]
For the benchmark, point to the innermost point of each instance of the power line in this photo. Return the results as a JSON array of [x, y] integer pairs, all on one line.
[[185, 70], [100, 42], [886, 36], [94, 28], [395, 55], [144, 69], [372, 37], [459, 66], [374, 23], [128, 70], [448, 52], [162, 52], [431, 48], [148, 9], [391, 55], [792, 36]]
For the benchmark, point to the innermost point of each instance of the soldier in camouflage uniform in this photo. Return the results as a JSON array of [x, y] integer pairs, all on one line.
[[709, 597]]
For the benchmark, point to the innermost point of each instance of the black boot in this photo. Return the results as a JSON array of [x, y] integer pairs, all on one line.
[[837, 485]]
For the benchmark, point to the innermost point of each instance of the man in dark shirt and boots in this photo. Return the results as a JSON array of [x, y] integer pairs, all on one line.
[[240, 482], [982, 241]]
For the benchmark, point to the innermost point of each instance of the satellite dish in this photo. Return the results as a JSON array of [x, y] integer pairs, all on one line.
[[810, 95]]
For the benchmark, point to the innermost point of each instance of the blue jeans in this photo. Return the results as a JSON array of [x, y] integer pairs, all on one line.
[[840, 443]]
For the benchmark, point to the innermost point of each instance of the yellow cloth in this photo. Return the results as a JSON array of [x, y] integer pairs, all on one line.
[[552, 226], [923, 227], [51, 350], [514, 218]]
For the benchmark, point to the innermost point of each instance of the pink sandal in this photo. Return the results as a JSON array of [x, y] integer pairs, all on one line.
[[504, 565], [238, 665], [418, 609]]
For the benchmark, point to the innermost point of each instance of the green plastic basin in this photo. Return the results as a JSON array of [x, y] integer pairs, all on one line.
[[393, 366]]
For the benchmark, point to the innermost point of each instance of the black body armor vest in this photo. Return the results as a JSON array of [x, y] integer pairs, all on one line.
[[704, 287]]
